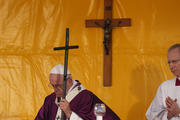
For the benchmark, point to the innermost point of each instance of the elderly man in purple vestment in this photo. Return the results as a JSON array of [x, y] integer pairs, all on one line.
[[78, 105]]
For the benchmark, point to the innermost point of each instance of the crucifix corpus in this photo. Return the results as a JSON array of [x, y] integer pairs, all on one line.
[[108, 24], [66, 48]]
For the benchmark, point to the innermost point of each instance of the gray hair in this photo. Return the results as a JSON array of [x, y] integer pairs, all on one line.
[[174, 47], [69, 76]]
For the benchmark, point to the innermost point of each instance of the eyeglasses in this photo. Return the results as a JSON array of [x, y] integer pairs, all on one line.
[[57, 86], [173, 61]]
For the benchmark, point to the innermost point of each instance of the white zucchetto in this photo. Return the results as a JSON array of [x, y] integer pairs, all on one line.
[[59, 69]]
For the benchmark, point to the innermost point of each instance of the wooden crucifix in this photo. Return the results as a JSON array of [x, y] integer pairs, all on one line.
[[108, 24]]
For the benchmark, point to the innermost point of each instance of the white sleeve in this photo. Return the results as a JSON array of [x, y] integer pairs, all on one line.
[[74, 116], [157, 110]]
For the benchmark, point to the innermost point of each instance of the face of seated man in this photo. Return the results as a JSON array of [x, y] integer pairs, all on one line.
[[56, 81]]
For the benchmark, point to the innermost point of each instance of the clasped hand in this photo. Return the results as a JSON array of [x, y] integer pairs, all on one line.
[[172, 107]]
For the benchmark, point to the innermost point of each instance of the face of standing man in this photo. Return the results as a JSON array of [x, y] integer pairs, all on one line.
[[174, 61]]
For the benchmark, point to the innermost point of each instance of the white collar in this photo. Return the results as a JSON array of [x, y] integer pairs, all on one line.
[[74, 84]]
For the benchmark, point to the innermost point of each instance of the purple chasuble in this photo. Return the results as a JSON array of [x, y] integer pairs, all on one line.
[[82, 104]]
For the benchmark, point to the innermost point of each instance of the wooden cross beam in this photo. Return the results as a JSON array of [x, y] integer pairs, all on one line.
[[108, 24]]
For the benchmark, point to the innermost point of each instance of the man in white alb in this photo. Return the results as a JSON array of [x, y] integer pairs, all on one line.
[[166, 104]]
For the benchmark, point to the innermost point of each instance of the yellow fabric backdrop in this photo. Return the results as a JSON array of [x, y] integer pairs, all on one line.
[[30, 29]]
